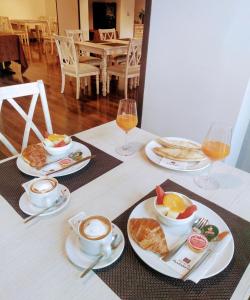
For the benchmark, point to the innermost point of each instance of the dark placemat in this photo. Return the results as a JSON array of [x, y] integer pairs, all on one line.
[[11, 178], [131, 278]]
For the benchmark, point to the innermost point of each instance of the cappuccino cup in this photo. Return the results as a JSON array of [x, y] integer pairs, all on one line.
[[95, 235], [43, 192]]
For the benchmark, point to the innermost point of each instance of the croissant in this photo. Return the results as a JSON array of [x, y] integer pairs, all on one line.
[[148, 234]]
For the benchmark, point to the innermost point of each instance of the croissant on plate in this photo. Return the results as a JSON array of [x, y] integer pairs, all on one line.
[[148, 234]]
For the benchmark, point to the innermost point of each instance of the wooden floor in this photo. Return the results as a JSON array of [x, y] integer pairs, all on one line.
[[68, 115]]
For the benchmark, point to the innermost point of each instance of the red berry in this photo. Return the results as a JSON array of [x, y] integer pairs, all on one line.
[[60, 144], [187, 212], [160, 194]]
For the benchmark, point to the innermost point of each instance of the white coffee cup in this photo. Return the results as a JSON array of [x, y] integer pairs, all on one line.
[[95, 234], [42, 192]]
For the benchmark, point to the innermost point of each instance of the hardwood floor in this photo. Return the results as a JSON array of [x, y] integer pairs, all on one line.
[[68, 115]]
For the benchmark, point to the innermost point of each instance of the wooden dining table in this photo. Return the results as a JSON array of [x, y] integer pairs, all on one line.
[[33, 260], [105, 49], [11, 49]]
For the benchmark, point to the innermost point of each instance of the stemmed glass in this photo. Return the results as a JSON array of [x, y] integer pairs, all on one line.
[[127, 119], [216, 146]]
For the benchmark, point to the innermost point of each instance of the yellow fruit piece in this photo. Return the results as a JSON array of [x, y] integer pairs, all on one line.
[[55, 137], [174, 202]]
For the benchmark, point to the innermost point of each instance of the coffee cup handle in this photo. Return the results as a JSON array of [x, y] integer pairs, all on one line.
[[75, 221], [106, 249]]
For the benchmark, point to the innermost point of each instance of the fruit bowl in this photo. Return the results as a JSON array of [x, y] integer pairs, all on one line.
[[169, 215], [57, 144]]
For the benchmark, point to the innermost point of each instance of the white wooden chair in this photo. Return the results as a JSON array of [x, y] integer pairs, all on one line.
[[79, 35], [21, 32], [34, 89], [70, 64], [129, 70], [107, 34], [49, 29]]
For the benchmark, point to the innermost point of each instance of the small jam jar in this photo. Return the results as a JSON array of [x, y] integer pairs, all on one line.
[[197, 242]]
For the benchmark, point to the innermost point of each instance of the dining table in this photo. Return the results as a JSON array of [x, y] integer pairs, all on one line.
[[105, 49], [11, 49], [33, 259]]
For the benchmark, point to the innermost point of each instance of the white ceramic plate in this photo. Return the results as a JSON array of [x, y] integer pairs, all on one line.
[[83, 260], [145, 210], [27, 169], [27, 207], [174, 164]]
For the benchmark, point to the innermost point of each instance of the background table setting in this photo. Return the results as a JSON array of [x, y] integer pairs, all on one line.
[[115, 186]]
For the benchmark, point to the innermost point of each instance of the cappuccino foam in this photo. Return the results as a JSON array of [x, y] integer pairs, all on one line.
[[43, 186], [94, 228]]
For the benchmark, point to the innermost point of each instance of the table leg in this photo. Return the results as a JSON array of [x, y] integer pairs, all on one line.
[[104, 75]]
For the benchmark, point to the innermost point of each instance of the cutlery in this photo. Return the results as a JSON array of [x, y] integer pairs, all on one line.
[[73, 164], [209, 251], [58, 202], [196, 227], [114, 245]]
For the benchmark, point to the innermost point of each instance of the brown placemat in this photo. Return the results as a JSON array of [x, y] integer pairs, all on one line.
[[11, 178], [131, 278]]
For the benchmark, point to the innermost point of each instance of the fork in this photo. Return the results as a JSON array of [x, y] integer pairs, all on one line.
[[196, 227]]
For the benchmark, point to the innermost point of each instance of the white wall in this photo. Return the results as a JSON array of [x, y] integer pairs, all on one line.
[[84, 16], [198, 66], [22, 9]]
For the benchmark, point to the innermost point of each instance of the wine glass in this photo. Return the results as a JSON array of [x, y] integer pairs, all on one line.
[[127, 119], [216, 146]]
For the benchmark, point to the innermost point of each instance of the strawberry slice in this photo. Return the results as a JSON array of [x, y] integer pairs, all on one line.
[[160, 195], [187, 212], [60, 144]]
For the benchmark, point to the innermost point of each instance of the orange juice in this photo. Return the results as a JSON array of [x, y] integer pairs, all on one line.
[[215, 150], [126, 121]]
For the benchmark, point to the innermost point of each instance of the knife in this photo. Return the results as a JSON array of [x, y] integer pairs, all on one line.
[[73, 164]]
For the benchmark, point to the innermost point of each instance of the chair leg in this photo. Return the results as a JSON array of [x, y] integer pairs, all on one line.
[[108, 83], [52, 46], [97, 84], [126, 88], [63, 82], [77, 87], [131, 83]]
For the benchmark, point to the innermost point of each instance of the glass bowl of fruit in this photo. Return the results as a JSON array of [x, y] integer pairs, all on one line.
[[57, 144], [174, 209]]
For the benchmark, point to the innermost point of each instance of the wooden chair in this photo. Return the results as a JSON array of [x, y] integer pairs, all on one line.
[[34, 89], [110, 34], [47, 35], [21, 32], [107, 34], [79, 35], [129, 70], [70, 64]]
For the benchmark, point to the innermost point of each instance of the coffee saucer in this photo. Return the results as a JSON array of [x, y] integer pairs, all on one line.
[[27, 207], [83, 260]]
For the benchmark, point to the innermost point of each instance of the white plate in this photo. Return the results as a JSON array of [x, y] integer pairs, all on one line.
[[27, 207], [174, 164], [83, 260], [145, 210], [27, 169]]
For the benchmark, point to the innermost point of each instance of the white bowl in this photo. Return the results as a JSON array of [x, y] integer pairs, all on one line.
[[56, 151], [171, 221]]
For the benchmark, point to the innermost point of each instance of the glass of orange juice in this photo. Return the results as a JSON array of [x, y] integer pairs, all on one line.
[[216, 146], [127, 119]]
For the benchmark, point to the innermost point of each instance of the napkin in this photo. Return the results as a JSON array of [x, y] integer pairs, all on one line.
[[185, 258]]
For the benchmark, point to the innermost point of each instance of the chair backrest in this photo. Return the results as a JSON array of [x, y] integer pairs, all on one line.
[[78, 35], [34, 89], [6, 25], [67, 52], [134, 54], [46, 30], [107, 34]]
